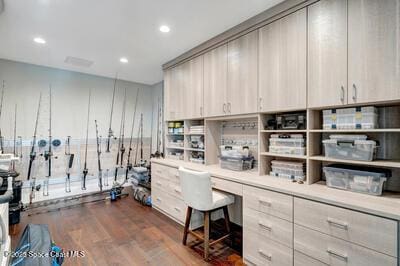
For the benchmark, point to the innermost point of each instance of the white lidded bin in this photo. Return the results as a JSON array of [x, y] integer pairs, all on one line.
[[344, 177], [290, 142], [236, 164], [350, 147]]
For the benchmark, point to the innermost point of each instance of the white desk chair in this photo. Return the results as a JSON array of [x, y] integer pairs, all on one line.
[[199, 195]]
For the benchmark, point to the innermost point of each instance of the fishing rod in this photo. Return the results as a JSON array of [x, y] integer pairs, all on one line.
[[151, 129], [128, 163], [141, 138], [32, 155], [137, 144], [48, 154], [70, 161], [110, 132], [85, 170], [121, 148], [98, 141], [1, 108], [15, 137]]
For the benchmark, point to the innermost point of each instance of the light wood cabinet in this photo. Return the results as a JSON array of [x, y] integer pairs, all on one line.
[[192, 88], [184, 90], [173, 93], [215, 81], [353, 52], [327, 53], [242, 74], [374, 57], [283, 63]]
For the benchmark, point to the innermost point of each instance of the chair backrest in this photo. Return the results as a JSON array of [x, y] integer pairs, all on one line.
[[196, 189]]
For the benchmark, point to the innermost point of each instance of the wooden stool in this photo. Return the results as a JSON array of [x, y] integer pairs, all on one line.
[[198, 194]]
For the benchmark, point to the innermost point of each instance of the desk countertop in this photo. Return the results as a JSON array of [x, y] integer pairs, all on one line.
[[387, 206]]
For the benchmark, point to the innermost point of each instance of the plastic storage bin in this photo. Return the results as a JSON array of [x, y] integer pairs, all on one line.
[[350, 118], [348, 147], [288, 169], [236, 164], [369, 181], [287, 150], [234, 151]]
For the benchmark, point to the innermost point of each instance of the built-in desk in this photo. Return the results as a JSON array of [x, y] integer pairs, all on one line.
[[286, 223]]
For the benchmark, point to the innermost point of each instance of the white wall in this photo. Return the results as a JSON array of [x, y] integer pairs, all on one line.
[[24, 82]]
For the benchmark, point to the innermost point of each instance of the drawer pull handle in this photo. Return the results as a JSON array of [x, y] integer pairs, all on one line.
[[336, 254], [177, 191], [267, 227], [177, 209], [249, 261], [159, 183], [159, 172], [213, 184], [268, 257], [265, 202], [158, 199], [342, 225]]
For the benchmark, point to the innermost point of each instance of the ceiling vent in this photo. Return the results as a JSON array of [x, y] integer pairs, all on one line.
[[79, 62]]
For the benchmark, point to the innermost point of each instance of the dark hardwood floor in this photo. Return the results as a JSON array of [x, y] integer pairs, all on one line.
[[122, 233]]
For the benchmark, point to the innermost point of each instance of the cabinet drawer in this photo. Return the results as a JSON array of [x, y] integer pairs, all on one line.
[[175, 190], [259, 250], [269, 226], [170, 205], [268, 202], [160, 170], [335, 251], [160, 183], [228, 186], [303, 260], [373, 232], [173, 175]]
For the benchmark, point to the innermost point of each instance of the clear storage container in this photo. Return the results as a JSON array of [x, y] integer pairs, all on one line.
[[350, 118], [287, 150], [290, 142], [235, 151], [369, 181], [236, 164], [348, 147], [288, 169]]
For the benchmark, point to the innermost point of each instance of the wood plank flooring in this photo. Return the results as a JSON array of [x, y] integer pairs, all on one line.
[[122, 233]]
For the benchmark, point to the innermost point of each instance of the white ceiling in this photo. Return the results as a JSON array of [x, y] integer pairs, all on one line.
[[105, 30]]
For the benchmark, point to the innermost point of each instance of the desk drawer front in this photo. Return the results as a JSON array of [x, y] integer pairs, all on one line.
[[303, 260], [228, 186], [166, 172], [160, 183], [268, 202], [259, 250], [170, 205], [367, 230], [334, 251], [269, 226]]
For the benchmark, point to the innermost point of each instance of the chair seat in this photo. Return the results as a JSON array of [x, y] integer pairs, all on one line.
[[220, 199]]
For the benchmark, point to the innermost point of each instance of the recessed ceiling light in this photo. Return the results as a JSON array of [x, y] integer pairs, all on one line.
[[123, 60], [39, 40], [164, 28]]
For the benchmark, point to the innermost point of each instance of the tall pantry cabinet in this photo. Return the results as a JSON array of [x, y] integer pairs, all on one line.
[[353, 52], [283, 63]]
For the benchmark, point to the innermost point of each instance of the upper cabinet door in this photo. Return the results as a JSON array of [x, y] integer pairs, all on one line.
[[374, 50], [283, 63], [215, 81], [242, 95], [192, 88], [327, 53], [172, 79]]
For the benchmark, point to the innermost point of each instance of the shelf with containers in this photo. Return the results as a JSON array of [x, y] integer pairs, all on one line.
[[174, 140], [283, 145], [194, 141], [355, 148], [232, 142]]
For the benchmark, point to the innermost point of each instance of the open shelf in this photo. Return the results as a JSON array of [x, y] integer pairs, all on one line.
[[192, 149], [194, 134], [175, 148], [377, 163], [302, 157]]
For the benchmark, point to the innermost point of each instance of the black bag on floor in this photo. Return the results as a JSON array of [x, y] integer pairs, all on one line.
[[35, 240]]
